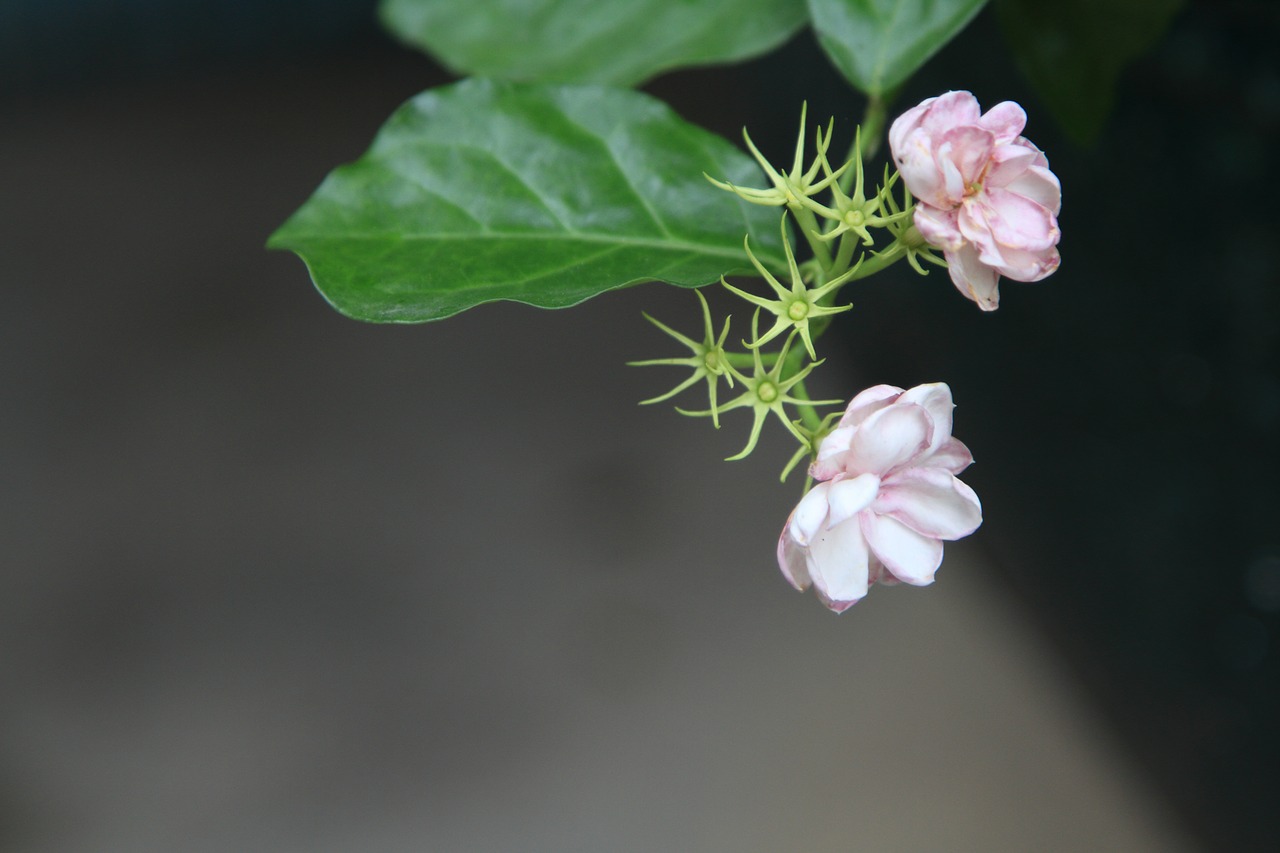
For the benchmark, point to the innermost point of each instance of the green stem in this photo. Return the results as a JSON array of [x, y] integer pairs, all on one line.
[[809, 225], [893, 253], [844, 255]]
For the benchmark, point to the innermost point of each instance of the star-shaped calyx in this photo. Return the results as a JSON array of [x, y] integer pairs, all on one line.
[[906, 237], [707, 360], [767, 391], [794, 186], [795, 306], [855, 213]]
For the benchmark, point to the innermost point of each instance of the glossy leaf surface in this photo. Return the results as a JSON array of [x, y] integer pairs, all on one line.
[[878, 44], [547, 195], [622, 42]]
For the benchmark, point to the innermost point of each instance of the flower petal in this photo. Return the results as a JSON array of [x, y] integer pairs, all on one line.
[[847, 497], [938, 227], [1013, 220], [950, 110], [889, 438], [792, 560], [904, 124], [974, 279], [809, 516], [1029, 266], [1041, 186], [969, 149], [1005, 120], [1009, 162], [838, 564], [914, 156], [931, 502], [910, 557], [935, 398], [952, 456]]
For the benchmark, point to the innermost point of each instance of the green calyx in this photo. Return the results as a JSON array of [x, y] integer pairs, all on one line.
[[907, 240], [707, 359], [793, 306], [768, 391], [853, 212], [793, 187], [809, 446]]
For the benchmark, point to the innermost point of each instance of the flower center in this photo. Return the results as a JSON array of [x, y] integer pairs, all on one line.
[[767, 392], [798, 310], [712, 361]]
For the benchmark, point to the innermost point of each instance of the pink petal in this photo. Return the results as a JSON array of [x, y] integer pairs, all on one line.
[[889, 438], [938, 227], [952, 456], [952, 109], [792, 561], [838, 563], [1029, 266], [904, 124], [868, 402], [1008, 162], [974, 279], [935, 398], [931, 502], [1041, 186], [1016, 221], [1006, 120], [909, 556], [914, 157], [969, 149]]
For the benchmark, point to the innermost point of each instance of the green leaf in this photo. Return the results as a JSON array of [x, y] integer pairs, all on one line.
[[878, 44], [622, 42], [547, 195], [1073, 51]]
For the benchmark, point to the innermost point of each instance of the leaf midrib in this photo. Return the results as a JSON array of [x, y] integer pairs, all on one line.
[[576, 236]]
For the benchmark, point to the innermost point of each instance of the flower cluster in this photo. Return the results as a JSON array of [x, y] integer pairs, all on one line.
[[986, 195], [887, 498], [885, 493]]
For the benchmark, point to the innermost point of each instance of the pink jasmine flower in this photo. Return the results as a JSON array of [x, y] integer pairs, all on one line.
[[887, 498], [986, 196]]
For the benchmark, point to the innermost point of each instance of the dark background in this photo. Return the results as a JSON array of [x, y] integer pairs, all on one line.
[[1125, 412]]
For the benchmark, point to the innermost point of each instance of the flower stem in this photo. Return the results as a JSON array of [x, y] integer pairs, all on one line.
[[809, 226]]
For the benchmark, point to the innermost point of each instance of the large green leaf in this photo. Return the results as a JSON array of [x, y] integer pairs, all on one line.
[[541, 194], [1073, 51], [878, 44], [622, 42]]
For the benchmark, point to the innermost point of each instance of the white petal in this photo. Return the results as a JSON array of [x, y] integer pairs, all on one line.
[[935, 398], [952, 456], [911, 558], [973, 278], [930, 501], [838, 563], [809, 515], [889, 438], [848, 497], [867, 402]]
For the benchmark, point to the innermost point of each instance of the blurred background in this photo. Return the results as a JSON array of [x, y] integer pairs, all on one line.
[[274, 580]]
